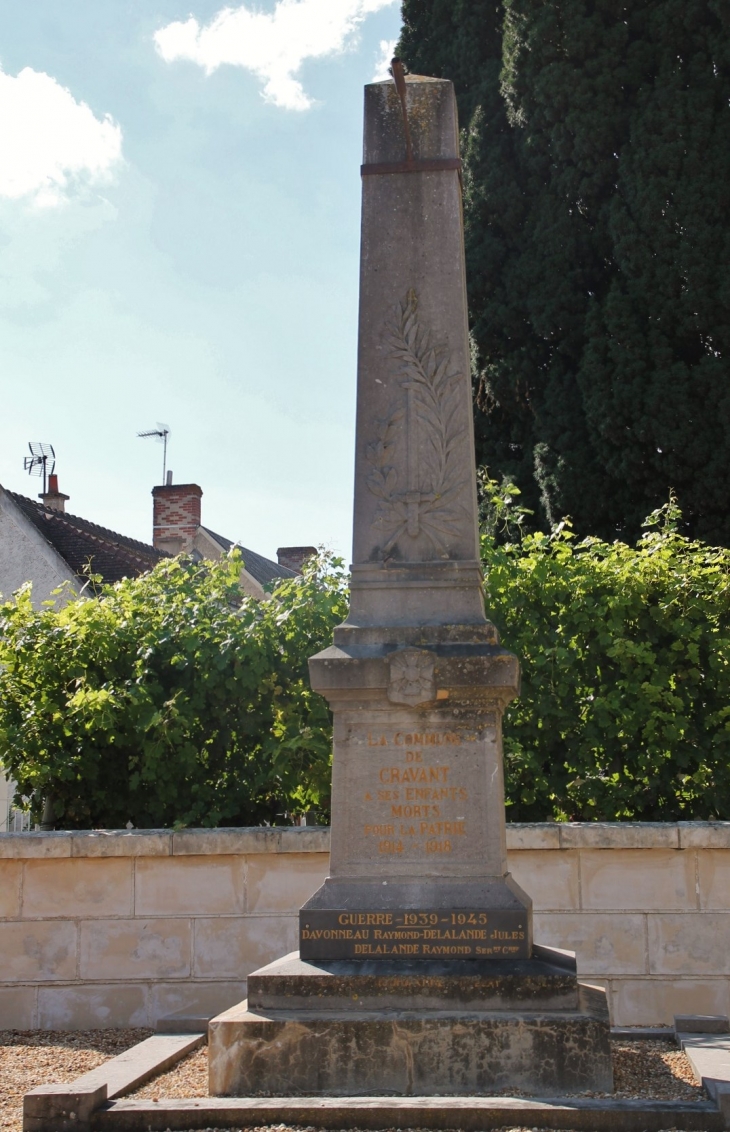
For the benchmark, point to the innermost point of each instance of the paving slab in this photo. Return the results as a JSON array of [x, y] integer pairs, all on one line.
[[470, 1114], [709, 1056]]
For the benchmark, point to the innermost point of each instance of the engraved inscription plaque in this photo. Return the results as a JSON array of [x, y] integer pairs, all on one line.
[[417, 796], [456, 934]]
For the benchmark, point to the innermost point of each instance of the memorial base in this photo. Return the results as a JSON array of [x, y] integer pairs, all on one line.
[[400, 1028]]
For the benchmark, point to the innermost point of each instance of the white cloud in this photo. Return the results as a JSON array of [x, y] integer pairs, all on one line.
[[272, 45], [385, 57], [50, 144]]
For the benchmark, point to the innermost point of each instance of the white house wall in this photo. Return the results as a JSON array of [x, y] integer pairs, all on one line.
[[25, 556]]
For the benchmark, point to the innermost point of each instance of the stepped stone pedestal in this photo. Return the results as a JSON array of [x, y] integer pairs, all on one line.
[[417, 972], [413, 1028]]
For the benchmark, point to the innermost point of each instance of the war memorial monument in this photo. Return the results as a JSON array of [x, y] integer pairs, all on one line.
[[417, 972]]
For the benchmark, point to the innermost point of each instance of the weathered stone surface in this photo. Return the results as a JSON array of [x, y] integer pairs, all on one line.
[[122, 949], [60, 1108], [433, 1052], [274, 885], [472, 1114], [10, 876], [121, 843], [660, 880], [416, 678], [92, 1006], [709, 1056], [702, 1024], [234, 945], [471, 1026], [619, 835], [196, 885], [77, 887], [714, 877], [38, 952], [33, 844], [417, 683], [472, 985], [139, 1063], [605, 943], [704, 834]]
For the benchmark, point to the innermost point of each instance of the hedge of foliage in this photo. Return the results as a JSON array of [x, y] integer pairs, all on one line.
[[624, 712], [174, 700], [170, 699]]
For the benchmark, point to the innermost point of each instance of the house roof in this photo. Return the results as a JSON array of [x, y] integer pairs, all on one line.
[[79, 542], [260, 568]]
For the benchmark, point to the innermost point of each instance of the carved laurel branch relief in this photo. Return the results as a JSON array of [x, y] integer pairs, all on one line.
[[416, 473]]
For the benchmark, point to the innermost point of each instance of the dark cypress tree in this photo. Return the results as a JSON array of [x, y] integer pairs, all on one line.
[[597, 207]]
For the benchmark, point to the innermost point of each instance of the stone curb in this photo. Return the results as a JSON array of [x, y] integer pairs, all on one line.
[[709, 1056], [643, 1033], [55, 1108], [465, 1113]]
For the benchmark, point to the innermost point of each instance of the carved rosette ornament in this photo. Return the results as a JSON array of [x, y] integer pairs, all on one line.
[[412, 678]]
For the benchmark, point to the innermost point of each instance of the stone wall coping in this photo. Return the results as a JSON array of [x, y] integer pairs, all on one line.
[[316, 839], [166, 842]]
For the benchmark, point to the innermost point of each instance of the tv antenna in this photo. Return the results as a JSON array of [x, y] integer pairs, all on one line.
[[161, 433], [37, 463]]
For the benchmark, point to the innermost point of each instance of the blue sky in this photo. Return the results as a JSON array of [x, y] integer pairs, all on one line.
[[179, 229]]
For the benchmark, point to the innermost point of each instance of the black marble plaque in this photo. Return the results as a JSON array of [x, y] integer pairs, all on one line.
[[436, 934]]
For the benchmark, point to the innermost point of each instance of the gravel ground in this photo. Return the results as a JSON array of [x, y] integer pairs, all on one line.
[[43, 1057], [642, 1069]]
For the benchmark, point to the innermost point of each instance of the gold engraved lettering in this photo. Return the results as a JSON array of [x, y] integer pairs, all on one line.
[[437, 949], [414, 756], [415, 812], [377, 740], [433, 794], [442, 828], [333, 933], [356, 918], [390, 847], [427, 739], [379, 830], [393, 775]]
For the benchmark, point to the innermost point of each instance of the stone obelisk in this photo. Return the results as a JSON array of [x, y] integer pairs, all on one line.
[[416, 678], [416, 973]]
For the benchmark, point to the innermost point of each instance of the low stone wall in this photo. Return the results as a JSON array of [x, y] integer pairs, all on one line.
[[121, 928]]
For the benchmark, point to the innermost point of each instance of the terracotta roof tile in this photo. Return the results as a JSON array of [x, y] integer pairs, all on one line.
[[79, 542]]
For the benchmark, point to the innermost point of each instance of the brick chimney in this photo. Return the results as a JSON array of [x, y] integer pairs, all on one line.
[[294, 556], [176, 516], [54, 498]]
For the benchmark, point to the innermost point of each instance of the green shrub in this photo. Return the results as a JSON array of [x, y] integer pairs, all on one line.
[[174, 700], [624, 712], [170, 699]]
